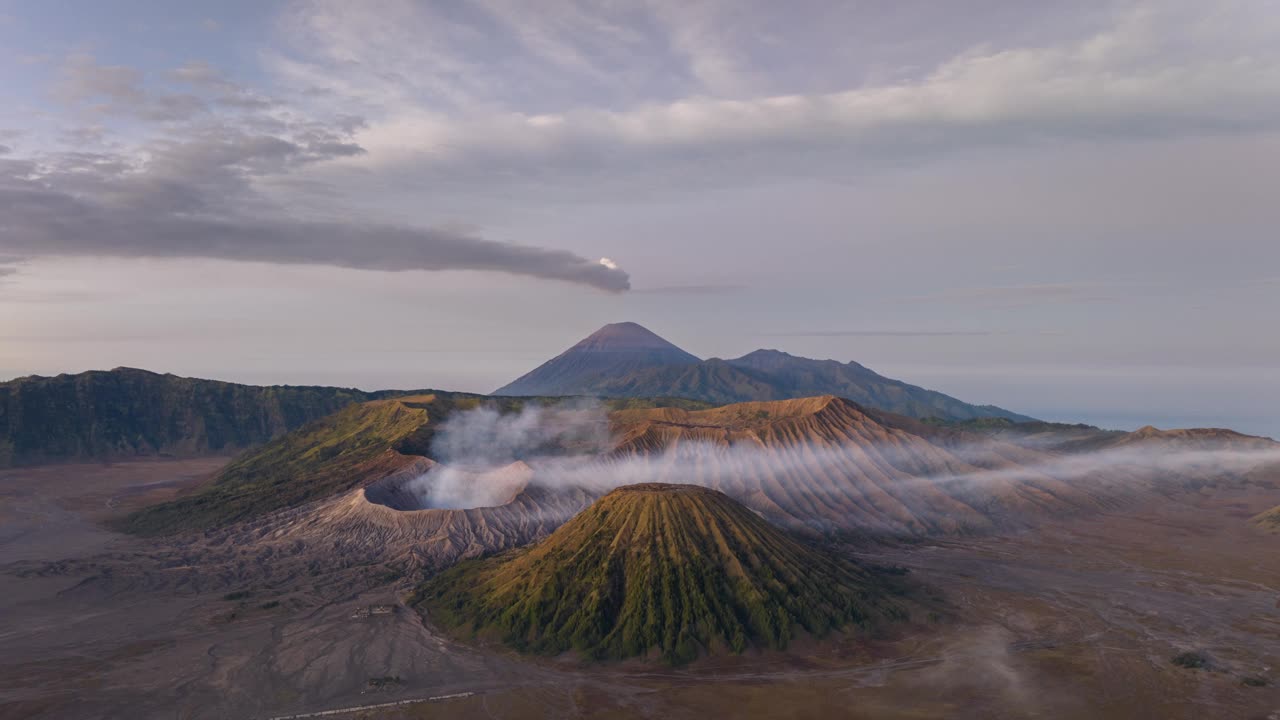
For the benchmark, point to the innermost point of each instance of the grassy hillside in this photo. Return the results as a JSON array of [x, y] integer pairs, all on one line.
[[1269, 520], [127, 413], [328, 456], [124, 413], [664, 569]]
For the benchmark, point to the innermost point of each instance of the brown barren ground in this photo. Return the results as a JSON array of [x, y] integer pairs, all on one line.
[[1075, 619], [55, 512]]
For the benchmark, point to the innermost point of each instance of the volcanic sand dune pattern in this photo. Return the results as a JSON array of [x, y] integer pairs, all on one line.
[[829, 465]]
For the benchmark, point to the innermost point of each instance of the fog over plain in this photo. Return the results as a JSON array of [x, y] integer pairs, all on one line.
[[1068, 212]]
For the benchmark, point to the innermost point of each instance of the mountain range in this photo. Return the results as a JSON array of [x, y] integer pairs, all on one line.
[[126, 412], [628, 360], [122, 413]]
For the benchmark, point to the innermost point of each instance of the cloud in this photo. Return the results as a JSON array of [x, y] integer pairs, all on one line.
[[195, 189], [166, 213], [205, 77], [207, 179], [1157, 73], [493, 108], [119, 90], [84, 135], [390, 54], [5, 274]]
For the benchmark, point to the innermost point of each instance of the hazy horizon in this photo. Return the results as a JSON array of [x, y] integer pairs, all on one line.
[[1108, 397]]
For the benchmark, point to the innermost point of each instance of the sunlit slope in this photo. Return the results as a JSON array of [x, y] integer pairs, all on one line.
[[350, 449], [1269, 520], [830, 465], [331, 455], [672, 570]]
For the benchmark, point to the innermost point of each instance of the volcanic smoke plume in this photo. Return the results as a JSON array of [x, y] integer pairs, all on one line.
[[482, 453]]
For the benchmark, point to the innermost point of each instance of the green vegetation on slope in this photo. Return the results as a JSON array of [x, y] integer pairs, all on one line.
[[1269, 520], [124, 413], [127, 413], [677, 570], [326, 457], [329, 456]]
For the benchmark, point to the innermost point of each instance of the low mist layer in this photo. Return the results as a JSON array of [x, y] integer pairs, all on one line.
[[834, 469]]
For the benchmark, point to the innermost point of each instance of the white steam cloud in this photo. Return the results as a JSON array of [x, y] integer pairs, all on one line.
[[477, 450], [488, 457]]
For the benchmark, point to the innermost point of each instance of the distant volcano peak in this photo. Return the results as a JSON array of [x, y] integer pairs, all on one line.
[[627, 336], [614, 350], [627, 360]]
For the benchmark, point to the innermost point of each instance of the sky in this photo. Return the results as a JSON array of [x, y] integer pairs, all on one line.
[[1066, 209]]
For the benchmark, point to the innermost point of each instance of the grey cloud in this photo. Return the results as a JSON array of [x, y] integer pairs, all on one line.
[[116, 89], [201, 73], [195, 199], [6, 272], [195, 190], [1115, 85], [5, 149], [61, 225], [84, 135], [225, 92]]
